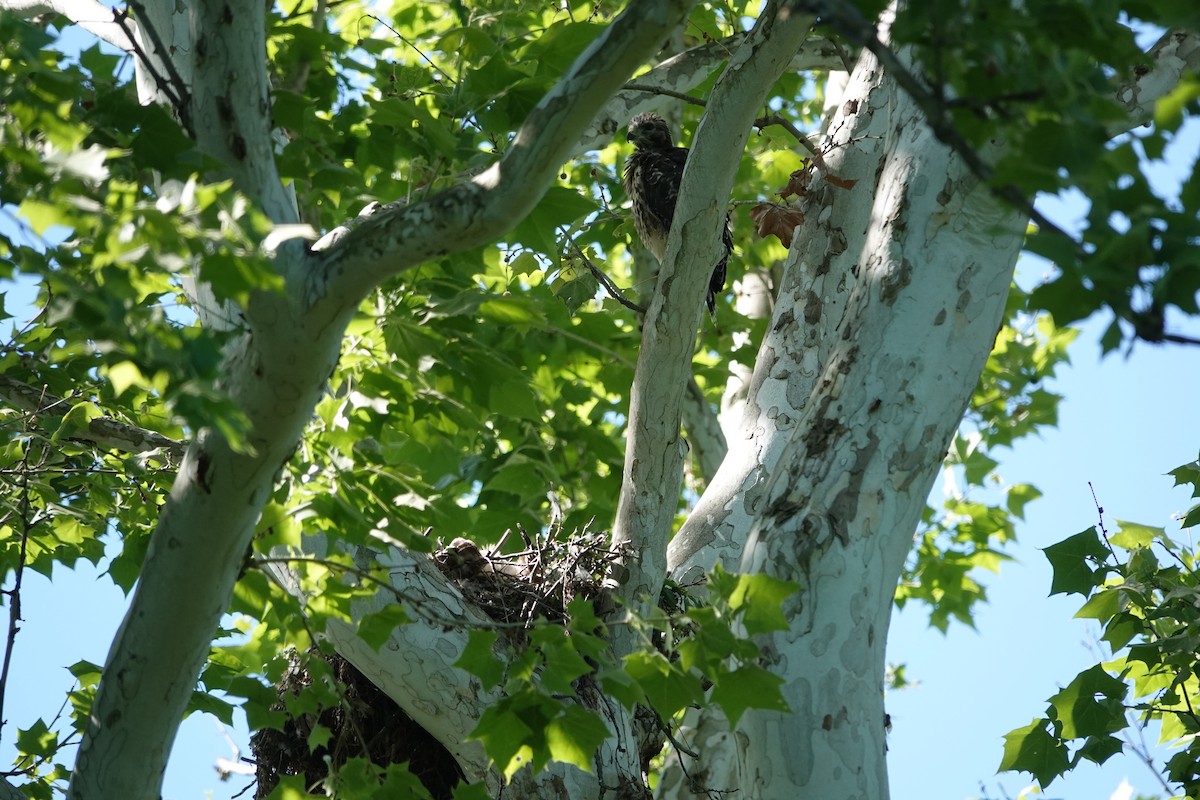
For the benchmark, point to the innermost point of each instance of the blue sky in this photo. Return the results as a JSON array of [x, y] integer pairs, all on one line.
[[1125, 421]]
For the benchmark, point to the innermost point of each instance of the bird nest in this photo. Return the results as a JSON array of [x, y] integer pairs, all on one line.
[[538, 582], [514, 589]]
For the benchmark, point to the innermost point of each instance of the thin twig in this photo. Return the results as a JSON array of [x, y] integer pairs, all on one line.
[[174, 88], [1142, 751], [14, 594], [604, 280], [415, 49], [1177, 339], [805, 142], [645, 87]]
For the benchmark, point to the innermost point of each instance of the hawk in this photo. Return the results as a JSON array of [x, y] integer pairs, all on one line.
[[652, 176]]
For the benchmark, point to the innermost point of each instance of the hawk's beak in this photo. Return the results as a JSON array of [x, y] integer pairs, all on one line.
[[629, 136]]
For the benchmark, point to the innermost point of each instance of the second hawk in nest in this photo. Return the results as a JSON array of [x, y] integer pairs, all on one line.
[[652, 176]]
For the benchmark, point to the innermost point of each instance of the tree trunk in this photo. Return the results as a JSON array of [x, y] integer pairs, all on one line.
[[890, 303]]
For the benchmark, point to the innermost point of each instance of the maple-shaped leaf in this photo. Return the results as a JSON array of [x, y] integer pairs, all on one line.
[[1072, 560], [773, 220]]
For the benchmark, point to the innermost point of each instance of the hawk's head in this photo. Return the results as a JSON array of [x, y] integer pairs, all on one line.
[[649, 132]]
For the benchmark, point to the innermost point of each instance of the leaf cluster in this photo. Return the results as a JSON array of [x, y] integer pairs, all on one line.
[[1045, 77], [1141, 585], [699, 655]]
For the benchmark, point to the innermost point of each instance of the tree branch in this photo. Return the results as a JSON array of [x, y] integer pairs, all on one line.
[[679, 74], [101, 431], [613, 290], [705, 438], [477, 211], [92, 16], [14, 594], [654, 453], [231, 104], [660, 90], [173, 87], [1176, 54]]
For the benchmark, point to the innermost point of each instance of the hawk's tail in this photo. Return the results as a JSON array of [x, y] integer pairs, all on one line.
[[716, 284]]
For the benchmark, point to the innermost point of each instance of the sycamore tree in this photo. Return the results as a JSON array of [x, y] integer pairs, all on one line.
[[341, 313]]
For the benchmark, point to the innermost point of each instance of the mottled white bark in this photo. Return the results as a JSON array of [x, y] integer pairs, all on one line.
[[101, 431], [682, 73], [891, 302]]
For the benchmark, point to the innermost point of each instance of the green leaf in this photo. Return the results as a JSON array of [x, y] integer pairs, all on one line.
[[37, 740], [574, 736], [319, 736], [478, 658], [1188, 474], [1072, 559], [1130, 535], [1099, 749], [76, 421], [290, 787], [1091, 705], [399, 781], [1169, 110], [760, 599], [749, 686], [559, 207], [514, 399], [125, 374], [1020, 496], [667, 689], [575, 287], [43, 216], [504, 737], [87, 673], [377, 628], [471, 791], [206, 703], [512, 310], [1032, 749], [1101, 606], [621, 685], [563, 664]]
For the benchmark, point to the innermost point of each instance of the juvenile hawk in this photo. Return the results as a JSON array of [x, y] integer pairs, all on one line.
[[652, 176]]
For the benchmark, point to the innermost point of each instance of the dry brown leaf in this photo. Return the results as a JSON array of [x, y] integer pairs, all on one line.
[[797, 184], [779, 221], [842, 183]]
